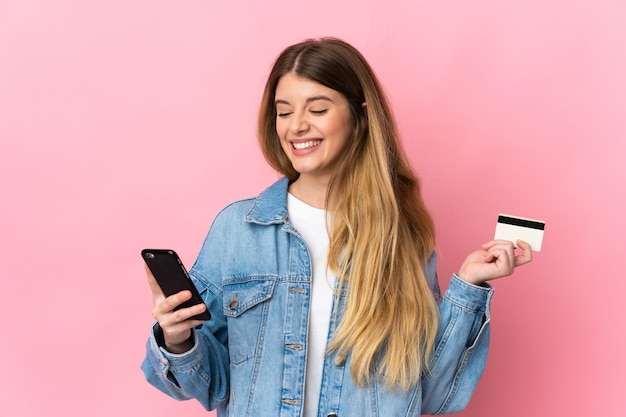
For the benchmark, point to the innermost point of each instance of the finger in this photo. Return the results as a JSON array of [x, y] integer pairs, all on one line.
[[527, 254], [488, 251], [173, 301], [157, 292], [488, 245], [500, 247], [493, 243], [176, 322], [504, 257], [185, 314]]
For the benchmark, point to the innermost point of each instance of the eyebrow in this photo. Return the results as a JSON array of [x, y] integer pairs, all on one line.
[[308, 100]]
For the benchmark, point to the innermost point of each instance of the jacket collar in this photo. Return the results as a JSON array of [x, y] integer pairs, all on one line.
[[270, 207]]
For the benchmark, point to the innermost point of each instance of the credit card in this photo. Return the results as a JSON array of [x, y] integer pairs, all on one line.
[[512, 228]]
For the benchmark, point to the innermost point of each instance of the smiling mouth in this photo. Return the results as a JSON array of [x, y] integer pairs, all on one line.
[[306, 145]]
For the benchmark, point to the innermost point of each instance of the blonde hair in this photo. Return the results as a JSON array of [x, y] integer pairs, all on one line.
[[381, 233]]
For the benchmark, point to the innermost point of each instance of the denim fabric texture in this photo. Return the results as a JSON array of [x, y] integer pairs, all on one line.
[[254, 273]]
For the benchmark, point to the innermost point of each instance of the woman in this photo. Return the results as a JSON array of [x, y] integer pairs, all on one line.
[[323, 289]]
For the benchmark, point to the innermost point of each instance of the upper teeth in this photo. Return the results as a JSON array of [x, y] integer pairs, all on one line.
[[305, 145]]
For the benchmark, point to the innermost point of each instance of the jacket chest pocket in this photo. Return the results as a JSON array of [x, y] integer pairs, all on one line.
[[245, 306]]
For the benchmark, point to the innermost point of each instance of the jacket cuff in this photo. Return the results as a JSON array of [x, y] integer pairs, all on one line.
[[469, 296], [174, 361]]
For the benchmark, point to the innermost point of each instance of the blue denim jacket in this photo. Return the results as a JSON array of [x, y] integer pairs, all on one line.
[[254, 273]]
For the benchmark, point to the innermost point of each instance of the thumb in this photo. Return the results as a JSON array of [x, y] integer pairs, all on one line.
[[157, 292]]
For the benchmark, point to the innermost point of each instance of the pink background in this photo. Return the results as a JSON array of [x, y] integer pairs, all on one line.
[[129, 124]]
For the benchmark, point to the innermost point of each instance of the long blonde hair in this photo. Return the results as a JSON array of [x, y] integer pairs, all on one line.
[[381, 233]]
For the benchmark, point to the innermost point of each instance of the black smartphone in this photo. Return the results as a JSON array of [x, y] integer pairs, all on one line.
[[172, 277]]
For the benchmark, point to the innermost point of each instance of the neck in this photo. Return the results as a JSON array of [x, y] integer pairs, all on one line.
[[311, 190]]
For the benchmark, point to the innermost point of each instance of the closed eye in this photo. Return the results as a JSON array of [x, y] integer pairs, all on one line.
[[319, 112]]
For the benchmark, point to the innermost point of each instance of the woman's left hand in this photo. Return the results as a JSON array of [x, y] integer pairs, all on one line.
[[496, 259]]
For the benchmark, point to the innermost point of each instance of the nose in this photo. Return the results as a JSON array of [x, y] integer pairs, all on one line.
[[299, 123]]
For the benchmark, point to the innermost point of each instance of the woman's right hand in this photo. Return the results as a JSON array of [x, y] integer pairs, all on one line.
[[176, 325]]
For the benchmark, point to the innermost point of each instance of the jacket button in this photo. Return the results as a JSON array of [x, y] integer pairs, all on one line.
[[233, 303], [332, 415]]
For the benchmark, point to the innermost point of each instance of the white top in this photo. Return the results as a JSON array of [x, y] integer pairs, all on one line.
[[310, 222]]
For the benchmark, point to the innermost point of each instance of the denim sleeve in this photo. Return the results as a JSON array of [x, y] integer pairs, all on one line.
[[430, 270], [200, 373], [203, 372], [461, 348]]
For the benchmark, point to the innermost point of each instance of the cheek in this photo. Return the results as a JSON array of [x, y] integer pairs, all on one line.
[[344, 131], [281, 128], [281, 132]]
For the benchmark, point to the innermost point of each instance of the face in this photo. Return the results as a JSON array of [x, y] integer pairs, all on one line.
[[314, 125]]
